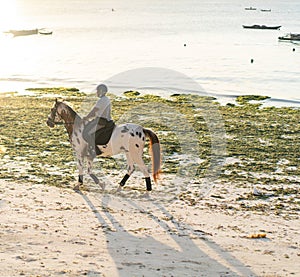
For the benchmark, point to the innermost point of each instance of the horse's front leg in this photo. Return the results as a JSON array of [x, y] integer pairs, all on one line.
[[80, 163], [93, 176]]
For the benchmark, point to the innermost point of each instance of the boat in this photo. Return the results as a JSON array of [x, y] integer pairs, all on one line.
[[250, 9], [261, 27], [45, 32], [265, 10], [23, 32], [290, 37]]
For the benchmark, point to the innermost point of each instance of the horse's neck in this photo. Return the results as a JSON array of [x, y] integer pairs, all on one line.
[[70, 118]]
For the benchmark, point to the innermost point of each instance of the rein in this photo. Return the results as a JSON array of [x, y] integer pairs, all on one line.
[[60, 122]]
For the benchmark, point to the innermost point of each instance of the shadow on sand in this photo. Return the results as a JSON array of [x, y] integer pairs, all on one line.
[[147, 256]]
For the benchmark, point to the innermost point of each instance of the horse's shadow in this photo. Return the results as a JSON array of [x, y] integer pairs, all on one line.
[[147, 256]]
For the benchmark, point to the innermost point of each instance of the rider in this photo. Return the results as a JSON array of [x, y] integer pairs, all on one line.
[[100, 114]]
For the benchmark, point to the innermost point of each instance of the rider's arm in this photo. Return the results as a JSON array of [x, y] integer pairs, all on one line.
[[92, 113], [99, 108]]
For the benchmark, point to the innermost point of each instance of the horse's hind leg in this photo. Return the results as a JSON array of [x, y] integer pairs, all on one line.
[[138, 159]]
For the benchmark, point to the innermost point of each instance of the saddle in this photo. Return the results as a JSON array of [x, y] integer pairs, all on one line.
[[103, 134], [98, 132]]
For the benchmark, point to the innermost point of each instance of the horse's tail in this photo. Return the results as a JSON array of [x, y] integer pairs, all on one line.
[[154, 152]]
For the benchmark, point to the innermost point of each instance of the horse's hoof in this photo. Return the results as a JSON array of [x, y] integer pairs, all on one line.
[[146, 195], [76, 188], [102, 186], [119, 189]]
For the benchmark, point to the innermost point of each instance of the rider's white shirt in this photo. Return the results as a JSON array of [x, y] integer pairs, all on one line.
[[104, 107]]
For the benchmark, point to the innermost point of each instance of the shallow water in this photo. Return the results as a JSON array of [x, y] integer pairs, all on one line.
[[203, 40]]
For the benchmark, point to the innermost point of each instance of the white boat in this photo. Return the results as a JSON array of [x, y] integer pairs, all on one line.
[[290, 36], [45, 32]]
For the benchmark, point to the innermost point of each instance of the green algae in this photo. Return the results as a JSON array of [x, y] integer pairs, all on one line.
[[62, 91], [262, 137], [264, 140], [131, 94], [27, 137], [245, 99]]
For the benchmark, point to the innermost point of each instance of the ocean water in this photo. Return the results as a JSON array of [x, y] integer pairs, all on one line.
[[203, 41]]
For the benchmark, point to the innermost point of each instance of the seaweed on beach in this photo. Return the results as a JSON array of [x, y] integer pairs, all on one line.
[[262, 142], [60, 91], [246, 99]]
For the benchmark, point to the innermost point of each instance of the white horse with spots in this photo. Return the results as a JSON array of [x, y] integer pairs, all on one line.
[[127, 138]]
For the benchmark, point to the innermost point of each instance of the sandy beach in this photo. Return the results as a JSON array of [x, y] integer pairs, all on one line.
[[49, 231]]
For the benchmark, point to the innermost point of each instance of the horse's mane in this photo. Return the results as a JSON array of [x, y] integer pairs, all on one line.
[[73, 114]]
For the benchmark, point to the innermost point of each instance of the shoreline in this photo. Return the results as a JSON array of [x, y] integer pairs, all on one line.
[[222, 99]]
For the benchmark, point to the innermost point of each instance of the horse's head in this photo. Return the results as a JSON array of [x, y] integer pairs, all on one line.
[[55, 114], [61, 113]]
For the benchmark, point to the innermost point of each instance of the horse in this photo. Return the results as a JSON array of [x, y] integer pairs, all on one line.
[[128, 138]]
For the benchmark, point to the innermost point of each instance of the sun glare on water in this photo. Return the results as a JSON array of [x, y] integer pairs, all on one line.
[[18, 54], [8, 14]]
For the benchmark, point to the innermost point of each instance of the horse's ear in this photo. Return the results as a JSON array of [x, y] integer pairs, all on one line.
[[56, 100]]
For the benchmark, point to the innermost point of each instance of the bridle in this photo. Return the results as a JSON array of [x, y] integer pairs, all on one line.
[[54, 111]]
